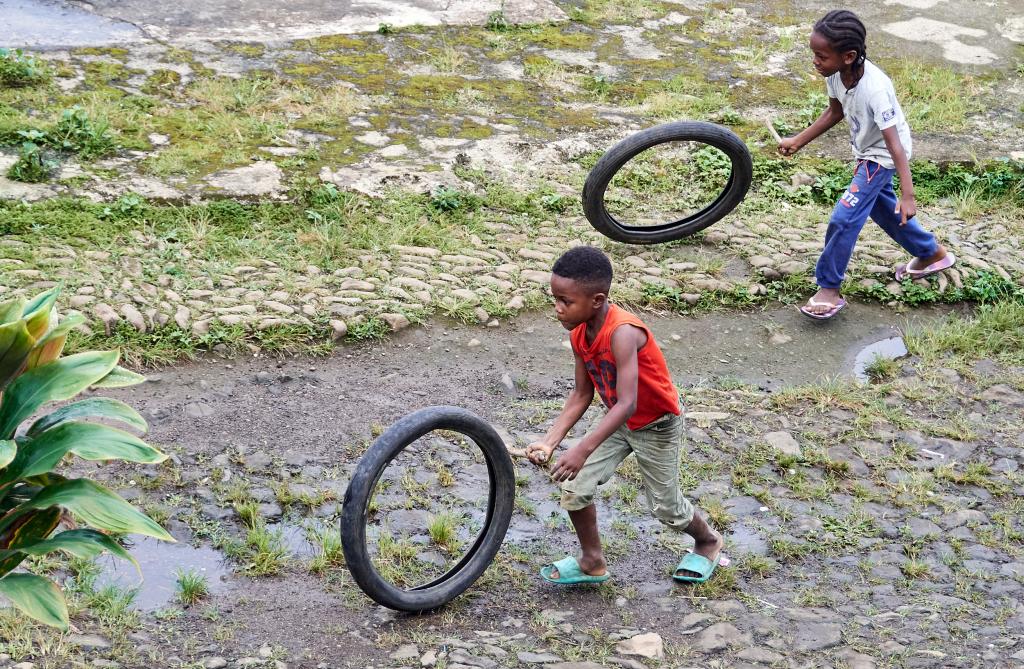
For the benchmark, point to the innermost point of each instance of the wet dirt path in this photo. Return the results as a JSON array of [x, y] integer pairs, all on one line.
[[303, 420]]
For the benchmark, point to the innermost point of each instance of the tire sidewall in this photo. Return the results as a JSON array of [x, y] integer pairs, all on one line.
[[615, 159], [380, 453]]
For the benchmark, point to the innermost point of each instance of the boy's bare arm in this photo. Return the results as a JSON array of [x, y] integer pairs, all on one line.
[[626, 341], [832, 115], [576, 405], [907, 206]]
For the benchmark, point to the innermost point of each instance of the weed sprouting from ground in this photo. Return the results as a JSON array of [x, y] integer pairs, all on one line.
[[192, 587], [443, 529], [18, 68], [881, 368], [79, 133], [32, 166], [327, 543]]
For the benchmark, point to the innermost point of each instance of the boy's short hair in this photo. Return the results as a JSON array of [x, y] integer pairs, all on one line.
[[587, 266]]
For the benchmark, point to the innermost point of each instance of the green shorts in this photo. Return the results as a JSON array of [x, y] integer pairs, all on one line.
[[657, 447]]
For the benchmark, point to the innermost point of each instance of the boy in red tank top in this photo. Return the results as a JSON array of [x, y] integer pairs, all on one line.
[[616, 355]]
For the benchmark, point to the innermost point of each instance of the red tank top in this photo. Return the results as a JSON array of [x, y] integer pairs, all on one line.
[[656, 394]]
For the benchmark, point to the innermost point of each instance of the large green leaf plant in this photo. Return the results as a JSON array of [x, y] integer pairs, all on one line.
[[34, 500]]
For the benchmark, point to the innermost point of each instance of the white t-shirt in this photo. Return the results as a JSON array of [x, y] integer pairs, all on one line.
[[871, 107]]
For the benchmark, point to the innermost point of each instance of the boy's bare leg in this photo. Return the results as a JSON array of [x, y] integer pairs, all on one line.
[[592, 561], [707, 542], [921, 263], [826, 298]]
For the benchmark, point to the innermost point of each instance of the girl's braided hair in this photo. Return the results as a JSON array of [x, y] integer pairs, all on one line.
[[845, 32]]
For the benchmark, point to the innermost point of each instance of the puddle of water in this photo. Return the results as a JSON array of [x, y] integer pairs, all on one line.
[[42, 24], [296, 537], [891, 348], [160, 562]]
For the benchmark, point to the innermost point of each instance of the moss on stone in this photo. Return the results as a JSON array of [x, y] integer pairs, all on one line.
[[327, 43], [103, 72], [112, 52], [248, 49], [162, 82], [472, 130]]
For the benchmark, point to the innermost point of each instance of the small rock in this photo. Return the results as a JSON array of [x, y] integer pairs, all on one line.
[[855, 660], [261, 178], [405, 652], [270, 510], [783, 442], [556, 616], [339, 329], [721, 636], [920, 528], [801, 179], [107, 315], [648, 645], [635, 261], [428, 659], [537, 658], [266, 651], [465, 658], [215, 662], [182, 316], [626, 663], [1003, 394], [535, 276], [706, 418], [473, 343], [24, 665], [816, 636], [759, 655], [508, 384], [88, 641], [157, 139], [373, 138], [792, 267], [395, 321]]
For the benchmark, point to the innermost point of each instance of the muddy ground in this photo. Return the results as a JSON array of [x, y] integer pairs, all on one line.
[[868, 525], [885, 532]]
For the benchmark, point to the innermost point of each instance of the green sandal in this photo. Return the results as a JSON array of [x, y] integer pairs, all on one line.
[[697, 564], [569, 572]]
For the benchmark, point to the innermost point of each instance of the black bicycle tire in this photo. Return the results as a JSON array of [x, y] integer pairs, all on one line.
[[371, 466], [616, 157]]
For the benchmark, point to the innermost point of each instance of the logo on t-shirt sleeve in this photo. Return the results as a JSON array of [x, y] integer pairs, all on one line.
[[888, 115]]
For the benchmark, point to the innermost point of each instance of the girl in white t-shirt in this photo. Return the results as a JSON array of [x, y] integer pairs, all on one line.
[[860, 92]]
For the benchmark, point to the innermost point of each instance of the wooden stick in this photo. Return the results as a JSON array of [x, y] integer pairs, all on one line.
[[771, 129]]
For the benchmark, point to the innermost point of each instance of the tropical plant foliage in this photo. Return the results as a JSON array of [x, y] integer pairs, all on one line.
[[34, 500]]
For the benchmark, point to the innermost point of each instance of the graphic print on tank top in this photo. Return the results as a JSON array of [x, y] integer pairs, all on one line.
[[605, 380]]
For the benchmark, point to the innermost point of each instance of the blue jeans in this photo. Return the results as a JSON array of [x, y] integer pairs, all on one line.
[[869, 194]]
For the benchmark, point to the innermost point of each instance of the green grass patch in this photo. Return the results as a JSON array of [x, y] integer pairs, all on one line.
[[18, 68], [192, 587], [993, 331]]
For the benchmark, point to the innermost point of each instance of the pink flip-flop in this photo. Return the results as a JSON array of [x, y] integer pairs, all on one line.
[[904, 271], [835, 309]]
